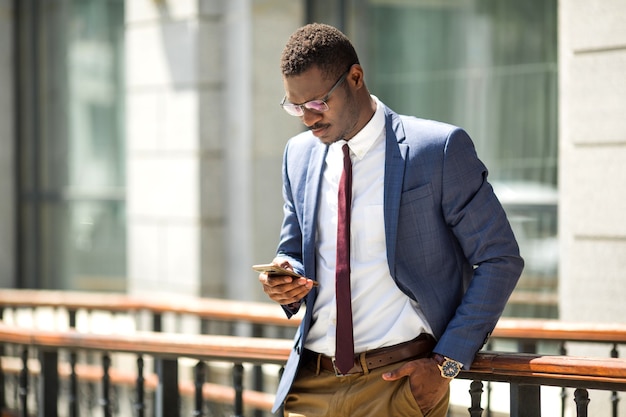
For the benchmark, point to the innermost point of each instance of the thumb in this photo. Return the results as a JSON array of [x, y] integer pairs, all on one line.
[[401, 372]]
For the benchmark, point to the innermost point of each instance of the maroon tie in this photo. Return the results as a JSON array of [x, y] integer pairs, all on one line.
[[344, 348]]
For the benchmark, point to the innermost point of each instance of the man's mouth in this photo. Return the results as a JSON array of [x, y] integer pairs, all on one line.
[[317, 130]]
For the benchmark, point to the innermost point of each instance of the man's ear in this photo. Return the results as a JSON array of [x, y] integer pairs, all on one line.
[[355, 77]]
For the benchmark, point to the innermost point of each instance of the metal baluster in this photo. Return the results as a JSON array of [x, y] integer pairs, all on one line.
[[581, 398], [525, 400], [200, 377], [257, 369], [157, 326], [157, 322], [476, 391], [489, 389], [563, 352], [49, 385], [238, 385], [614, 394], [23, 386], [106, 384], [140, 405], [73, 400], [72, 318], [167, 396]]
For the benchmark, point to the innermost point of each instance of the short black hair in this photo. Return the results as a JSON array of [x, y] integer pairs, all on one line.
[[321, 45]]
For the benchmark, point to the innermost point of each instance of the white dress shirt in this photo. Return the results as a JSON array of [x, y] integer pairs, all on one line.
[[382, 314]]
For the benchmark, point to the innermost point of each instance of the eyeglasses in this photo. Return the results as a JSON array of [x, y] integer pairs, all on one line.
[[316, 106]]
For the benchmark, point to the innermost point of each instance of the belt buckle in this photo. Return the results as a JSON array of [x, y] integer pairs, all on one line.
[[338, 373]]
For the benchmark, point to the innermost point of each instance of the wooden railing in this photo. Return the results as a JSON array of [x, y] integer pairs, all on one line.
[[523, 370], [263, 318], [166, 349], [555, 330], [57, 356], [205, 308]]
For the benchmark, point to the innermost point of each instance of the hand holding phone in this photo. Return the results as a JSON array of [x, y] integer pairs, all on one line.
[[275, 270]]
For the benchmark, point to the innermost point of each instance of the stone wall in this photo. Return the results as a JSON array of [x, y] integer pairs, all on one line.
[[592, 161]]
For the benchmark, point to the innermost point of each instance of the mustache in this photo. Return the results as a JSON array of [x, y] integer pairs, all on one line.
[[318, 126]]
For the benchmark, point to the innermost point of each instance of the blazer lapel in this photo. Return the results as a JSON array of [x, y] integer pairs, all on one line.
[[395, 157], [309, 221], [311, 198]]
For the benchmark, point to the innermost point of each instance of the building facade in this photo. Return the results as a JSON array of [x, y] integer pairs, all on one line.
[[142, 139]]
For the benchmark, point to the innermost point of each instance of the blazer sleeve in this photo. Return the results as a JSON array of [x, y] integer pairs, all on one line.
[[479, 223]]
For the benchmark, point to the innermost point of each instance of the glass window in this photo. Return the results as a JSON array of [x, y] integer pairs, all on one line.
[[71, 145], [489, 66]]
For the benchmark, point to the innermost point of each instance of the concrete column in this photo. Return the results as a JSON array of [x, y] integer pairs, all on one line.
[[205, 139], [238, 146], [273, 22], [7, 154], [592, 169], [174, 155], [592, 42]]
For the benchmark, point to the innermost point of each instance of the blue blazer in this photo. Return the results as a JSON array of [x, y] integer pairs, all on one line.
[[449, 244]]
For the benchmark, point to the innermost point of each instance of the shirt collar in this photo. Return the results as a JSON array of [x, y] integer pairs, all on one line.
[[362, 142]]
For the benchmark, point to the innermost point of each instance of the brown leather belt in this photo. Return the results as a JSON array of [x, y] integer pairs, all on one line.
[[419, 347]]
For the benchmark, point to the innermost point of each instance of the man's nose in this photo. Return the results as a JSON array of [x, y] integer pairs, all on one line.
[[309, 118]]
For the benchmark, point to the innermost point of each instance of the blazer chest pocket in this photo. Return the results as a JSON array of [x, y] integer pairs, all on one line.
[[415, 194]]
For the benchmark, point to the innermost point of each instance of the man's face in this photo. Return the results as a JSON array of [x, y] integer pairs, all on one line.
[[341, 118]]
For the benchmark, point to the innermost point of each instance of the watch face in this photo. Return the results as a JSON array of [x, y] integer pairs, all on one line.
[[450, 369]]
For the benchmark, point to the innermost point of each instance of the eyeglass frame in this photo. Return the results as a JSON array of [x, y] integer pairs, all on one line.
[[302, 107]]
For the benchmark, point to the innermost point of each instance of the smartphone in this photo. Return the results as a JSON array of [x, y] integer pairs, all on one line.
[[271, 269]]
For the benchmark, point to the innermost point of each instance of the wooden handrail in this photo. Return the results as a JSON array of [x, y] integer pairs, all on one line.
[[560, 330], [568, 371], [271, 314], [230, 348], [607, 373], [210, 308]]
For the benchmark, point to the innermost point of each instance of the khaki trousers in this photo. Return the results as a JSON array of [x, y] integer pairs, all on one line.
[[319, 393]]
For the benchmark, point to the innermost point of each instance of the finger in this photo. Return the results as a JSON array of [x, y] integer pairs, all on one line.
[[288, 299], [275, 280], [287, 293], [286, 265], [283, 263], [401, 372]]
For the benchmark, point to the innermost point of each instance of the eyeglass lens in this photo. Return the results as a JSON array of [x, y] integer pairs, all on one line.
[[298, 109], [318, 106]]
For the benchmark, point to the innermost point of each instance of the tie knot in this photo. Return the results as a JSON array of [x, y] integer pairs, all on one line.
[[347, 161]]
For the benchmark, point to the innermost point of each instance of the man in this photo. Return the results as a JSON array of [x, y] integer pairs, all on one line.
[[431, 259]]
